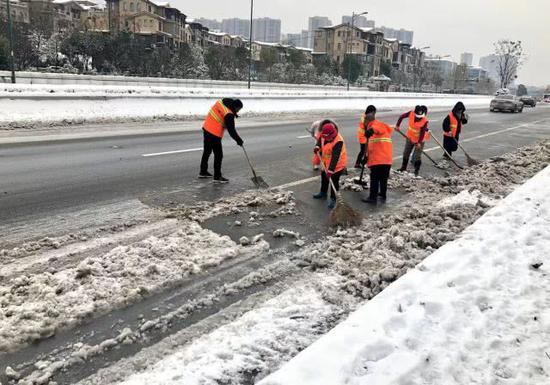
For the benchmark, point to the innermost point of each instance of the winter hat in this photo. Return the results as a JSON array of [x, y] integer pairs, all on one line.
[[329, 132], [459, 107], [370, 109], [419, 112]]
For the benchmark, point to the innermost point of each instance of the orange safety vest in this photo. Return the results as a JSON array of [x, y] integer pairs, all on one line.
[[214, 122], [326, 151], [361, 137], [454, 126], [413, 132], [380, 147]]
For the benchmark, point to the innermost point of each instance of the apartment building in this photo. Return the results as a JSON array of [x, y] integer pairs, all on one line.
[[267, 30], [19, 11]]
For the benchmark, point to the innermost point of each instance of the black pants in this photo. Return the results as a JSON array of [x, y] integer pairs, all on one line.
[[325, 183], [361, 157], [450, 144], [212, 144], [379, 180]]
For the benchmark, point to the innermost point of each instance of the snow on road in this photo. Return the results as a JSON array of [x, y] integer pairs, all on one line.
[[477, 311], [70, 104], [362, 263]]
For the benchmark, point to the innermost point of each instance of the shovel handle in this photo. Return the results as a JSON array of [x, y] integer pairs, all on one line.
[[423, 152], [249, 163], [446, 152]]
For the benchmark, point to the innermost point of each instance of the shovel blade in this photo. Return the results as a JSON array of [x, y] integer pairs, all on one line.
[[259, 182], [472, 161]]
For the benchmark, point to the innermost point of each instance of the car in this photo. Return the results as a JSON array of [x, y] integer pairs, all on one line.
[[506, 103], [546, 98], [528, 101]]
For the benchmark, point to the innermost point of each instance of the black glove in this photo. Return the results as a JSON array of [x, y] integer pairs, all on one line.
[[369, 132], [240, 142]]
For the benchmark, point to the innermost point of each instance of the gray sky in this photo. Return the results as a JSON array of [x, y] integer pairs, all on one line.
[[447, 26]]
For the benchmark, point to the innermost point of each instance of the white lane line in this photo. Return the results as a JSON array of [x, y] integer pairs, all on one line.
[[303, 137], [312, 179], [172, 152]]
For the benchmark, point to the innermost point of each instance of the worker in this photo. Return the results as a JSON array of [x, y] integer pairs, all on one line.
[[417, 135], [332, 150], [315, 131], [221, 117], [362, 139], [452, 127], [380, 159]]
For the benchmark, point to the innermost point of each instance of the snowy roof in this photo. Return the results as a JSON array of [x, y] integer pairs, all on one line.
[[304, 49], [161, 3], [216, 33], [391, 40], [367, 29]]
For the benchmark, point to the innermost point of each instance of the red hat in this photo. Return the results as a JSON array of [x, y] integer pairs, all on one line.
[[329, 131]]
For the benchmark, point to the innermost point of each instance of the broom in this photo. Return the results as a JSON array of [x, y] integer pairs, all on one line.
[[342, 214], [471, 161]]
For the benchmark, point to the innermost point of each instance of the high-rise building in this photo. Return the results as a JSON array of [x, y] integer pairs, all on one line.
[[294, 39], [403, 35], [314, 23], [490, 64], [267, 30], [235, 26], [466, 58], [210, 23], [359, 21]]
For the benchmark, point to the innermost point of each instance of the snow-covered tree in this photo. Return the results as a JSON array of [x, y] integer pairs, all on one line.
[[510, 57]]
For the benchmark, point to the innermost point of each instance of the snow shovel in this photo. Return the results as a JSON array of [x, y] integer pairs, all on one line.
[[343, 214], [449, 155], [360, 181], [258, 181], [471, 161], [423, 152]]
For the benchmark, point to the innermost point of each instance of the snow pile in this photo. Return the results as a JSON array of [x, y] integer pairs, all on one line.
[[465, 197], [475, 311], [34, 306], [70, 104], [235, 353]]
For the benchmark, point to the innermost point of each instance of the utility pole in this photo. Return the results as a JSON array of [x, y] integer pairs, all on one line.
[[10, 26], [250, 44]]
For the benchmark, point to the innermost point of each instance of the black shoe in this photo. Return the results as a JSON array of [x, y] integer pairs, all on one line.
[[320, 195], [221, 179], [416, 172], [402, 169], [369, 200], [383, 198], [205, 175]]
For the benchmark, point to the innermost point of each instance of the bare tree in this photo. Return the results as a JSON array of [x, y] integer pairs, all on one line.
[[510, 57]]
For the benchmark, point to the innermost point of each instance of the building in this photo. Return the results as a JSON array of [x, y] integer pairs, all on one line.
[[360, 21], [294, 39], [19, 11], [219, 38], [467, 58], [235, 26], [314, 23], [490, 64], [445, 68], [266, 30], [477, 74], [210, 23], [402, 35], [197, 34], [156, 23]]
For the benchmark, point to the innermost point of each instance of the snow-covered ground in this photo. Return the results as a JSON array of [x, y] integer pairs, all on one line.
[[70, 104], [477, 311], [338, 272]]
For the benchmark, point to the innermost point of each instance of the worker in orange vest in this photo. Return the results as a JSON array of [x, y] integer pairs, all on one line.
[[380, 159], [221, 117], [315, 131], [332, 150], [362, 139], [452, 127], [417, 135]]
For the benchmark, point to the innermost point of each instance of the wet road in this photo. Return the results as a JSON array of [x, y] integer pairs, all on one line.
[[46, 178]]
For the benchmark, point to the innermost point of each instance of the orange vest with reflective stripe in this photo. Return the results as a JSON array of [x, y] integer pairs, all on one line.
[[214, 122], [326, 151], [413, 132], [361, 137], [453, 124], [380, 149]]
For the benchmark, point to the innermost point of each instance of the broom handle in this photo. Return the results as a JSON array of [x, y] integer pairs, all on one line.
[[423, 152], [462, 148], [329, 179], [446, 152]]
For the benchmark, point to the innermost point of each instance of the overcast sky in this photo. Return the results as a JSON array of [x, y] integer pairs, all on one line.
[[447, 26]]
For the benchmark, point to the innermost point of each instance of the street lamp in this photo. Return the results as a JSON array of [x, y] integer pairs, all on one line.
[[250, 44], [353, 16], [10, 26]]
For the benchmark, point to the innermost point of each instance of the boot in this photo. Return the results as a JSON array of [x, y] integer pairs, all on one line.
[[404, 165], [320, 195], [332, 203]]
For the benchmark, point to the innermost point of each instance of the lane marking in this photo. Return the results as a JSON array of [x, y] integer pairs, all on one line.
[[303, 137], [312, 179], [172, 152]]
